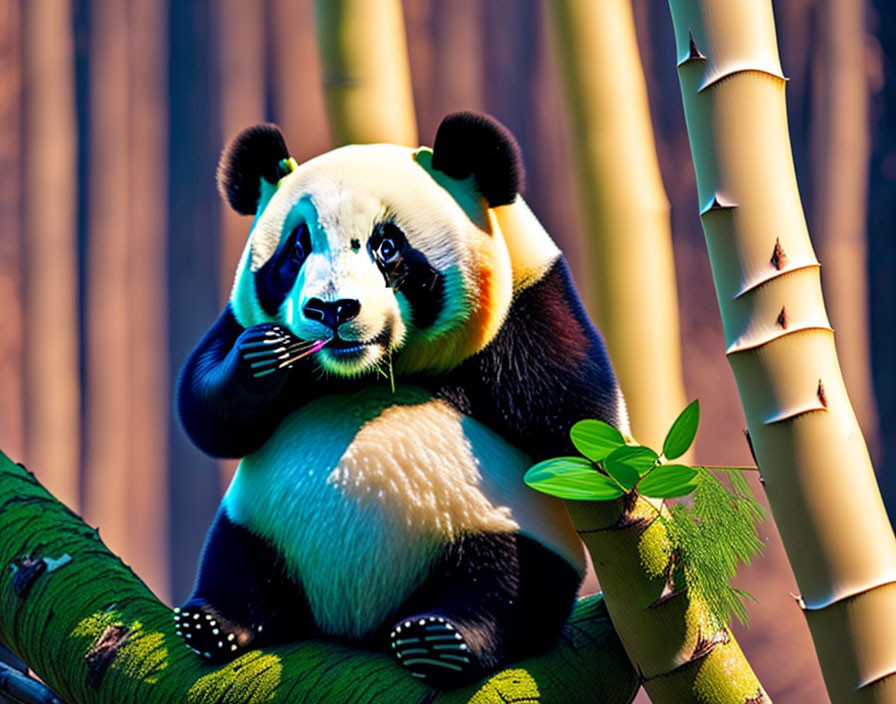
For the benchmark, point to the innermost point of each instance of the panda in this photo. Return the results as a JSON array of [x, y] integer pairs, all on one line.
[[402, 341]]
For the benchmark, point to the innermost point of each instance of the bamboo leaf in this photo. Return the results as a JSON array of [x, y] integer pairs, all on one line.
[[682, 432], [629, 463], [595, 439], [572, 478], [668, 481], [641, 459]]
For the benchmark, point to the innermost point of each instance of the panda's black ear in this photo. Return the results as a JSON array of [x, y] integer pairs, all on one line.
[[254, 154], [471, 143]]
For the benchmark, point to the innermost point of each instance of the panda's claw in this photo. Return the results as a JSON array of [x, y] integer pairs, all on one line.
[[222, 640], [432, 648], [264, 348]]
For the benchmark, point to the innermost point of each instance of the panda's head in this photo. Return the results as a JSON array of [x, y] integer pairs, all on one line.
[[377, 254]]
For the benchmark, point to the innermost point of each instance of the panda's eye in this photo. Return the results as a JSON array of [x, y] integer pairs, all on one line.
[[387, 251], [302, 246]]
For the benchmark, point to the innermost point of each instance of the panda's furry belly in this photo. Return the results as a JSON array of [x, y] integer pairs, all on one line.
[[360, 493]]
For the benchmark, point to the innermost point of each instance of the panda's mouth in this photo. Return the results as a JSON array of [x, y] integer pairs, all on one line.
[[354, 356], [344, 348]]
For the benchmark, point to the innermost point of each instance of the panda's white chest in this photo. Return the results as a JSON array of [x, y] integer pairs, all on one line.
[[360, 494]]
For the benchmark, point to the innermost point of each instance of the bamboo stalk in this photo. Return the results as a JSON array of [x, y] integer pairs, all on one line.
[[106, 469], [52, 387], [817, 472], [12, 400], [241, 71], [297, 96], [666, 633], [624, 209], [367, 79], [840, 152], [148, 487]]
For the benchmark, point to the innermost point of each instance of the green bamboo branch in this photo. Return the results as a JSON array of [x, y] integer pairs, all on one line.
[[693, 660], [95, 634]]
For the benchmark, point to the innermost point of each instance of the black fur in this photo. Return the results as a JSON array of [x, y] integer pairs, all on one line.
[[506, 596], [228, 411], [254, 154], [469, 143], [546, 369], [241, 600], [276, 277]]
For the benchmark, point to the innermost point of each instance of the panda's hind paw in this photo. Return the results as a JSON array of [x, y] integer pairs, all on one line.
[[209, 635], [434, 650]]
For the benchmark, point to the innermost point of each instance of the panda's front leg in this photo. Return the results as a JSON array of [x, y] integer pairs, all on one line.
[[229, 395], [242, 599], [491, 599]]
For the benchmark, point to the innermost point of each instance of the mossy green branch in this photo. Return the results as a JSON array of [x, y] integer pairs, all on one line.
[[95, 634]]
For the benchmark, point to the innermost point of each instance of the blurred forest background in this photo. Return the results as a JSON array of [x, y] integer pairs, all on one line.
[[116, 254]]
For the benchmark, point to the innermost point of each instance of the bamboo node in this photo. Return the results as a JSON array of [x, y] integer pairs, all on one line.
[[694, 51], [779, 257], [718, 203], [822, 396], [782, 318]]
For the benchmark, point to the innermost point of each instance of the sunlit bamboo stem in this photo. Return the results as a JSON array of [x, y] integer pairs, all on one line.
[[367, 79], [839, 122], [815, 464], [52, 413], [631, 285]]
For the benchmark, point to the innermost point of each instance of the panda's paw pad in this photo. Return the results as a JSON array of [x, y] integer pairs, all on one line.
[[268, 348], [209, 635], [433, 649]]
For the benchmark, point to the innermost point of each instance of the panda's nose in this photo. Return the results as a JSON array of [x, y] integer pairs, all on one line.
[[332, 313]]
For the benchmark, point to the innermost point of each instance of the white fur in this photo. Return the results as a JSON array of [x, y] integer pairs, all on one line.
[[360, 494], [532, 251]]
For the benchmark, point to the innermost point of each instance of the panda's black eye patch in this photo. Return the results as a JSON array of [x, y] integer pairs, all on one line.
[[278, 274], [387, 244], [408, 270]]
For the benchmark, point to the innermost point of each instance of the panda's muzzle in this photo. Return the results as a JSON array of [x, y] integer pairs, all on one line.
[[332, 313]]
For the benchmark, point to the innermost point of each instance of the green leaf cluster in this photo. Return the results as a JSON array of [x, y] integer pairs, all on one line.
[[610, 467], [708, 539]]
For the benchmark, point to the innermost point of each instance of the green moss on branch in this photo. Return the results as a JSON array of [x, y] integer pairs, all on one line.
[[96, 634]]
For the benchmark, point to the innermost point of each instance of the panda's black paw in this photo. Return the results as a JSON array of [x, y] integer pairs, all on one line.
[[434, 650], [210, 635], [267, 349]]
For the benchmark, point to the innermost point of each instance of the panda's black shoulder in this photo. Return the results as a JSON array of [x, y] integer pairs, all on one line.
[[546, 368]]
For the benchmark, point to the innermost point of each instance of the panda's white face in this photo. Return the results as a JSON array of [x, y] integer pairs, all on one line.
[[369, 259]]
